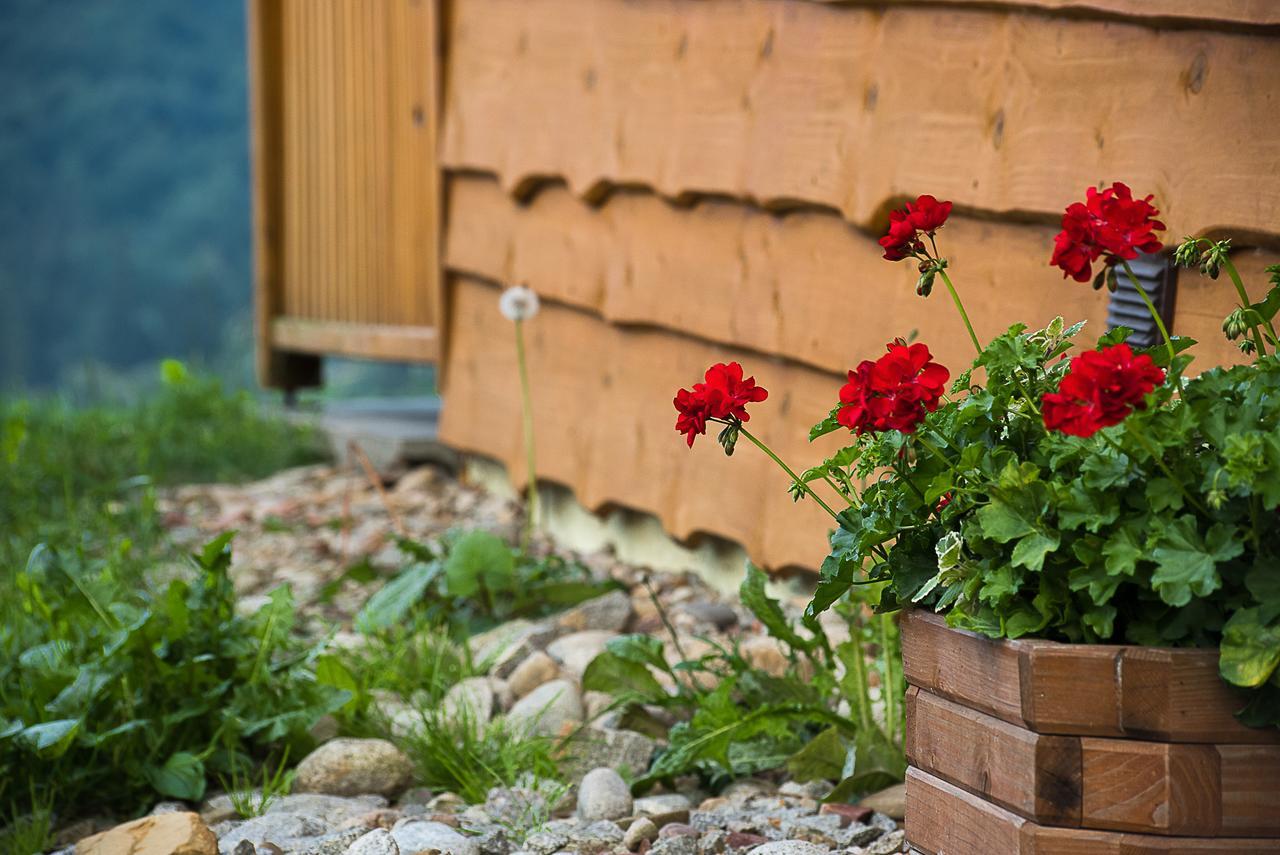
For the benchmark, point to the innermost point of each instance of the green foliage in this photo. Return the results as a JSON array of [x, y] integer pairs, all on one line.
[[250, 797], [1154, 531], [113, 692], [737, 720], [474, 581]]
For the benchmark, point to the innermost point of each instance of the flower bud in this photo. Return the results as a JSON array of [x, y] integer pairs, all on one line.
[[1234, 325], [924, 285], [1210, 264], [1185, 254]]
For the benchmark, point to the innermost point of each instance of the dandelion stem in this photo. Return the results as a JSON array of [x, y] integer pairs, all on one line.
[[531, 512]]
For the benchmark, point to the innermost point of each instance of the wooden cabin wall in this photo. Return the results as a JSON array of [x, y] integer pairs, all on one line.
[[691, 181]]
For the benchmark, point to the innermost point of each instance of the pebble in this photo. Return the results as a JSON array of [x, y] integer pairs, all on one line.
[[789, 847], [609, 612], [603, 794], [891, 801], [888, 844], [534, 670], [547, 709], [181, 832], [377, 842], [575, 651], [641, 829], [413, 836], [470, 702], [349, 767]]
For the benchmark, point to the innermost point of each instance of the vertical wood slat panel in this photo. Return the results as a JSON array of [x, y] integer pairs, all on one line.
[[354, 162]]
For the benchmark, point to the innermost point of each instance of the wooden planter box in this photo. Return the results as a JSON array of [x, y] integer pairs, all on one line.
[[1040, 748]]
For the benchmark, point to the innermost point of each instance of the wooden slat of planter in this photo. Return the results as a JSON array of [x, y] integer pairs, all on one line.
[[1034, 775], [1129, 785], [791, 102], [1177, 696], [1162, 695], [978, 672], [1250, 789], [943, 819]]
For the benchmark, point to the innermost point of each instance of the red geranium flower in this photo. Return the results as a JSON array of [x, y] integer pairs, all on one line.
[[894, 392], [926, 214], [1101, 388], [1108, 223], [723, 394]]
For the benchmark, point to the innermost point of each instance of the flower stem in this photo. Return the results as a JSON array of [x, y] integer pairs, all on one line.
[[1142, 292], [1159, 459], [531, 512], [1245, 304], [785, 468], [964, 316], [888, 685]]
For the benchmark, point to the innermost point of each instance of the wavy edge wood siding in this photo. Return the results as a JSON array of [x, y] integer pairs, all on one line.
[[605, 425], [793, 286], [1249, 13], [1004, 112], [346, 183]]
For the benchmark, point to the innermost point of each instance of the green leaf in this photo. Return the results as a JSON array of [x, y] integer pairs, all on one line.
[[873, 763], [1032, 549], [826, 426], [479, 557], [1186, 563], [821, 759], [330, 671], [50, 739], [216, 554], [1159, 353], [613, 675], [1250, 648], [181, 777], [767, 610], [641, 649], [393, 600]]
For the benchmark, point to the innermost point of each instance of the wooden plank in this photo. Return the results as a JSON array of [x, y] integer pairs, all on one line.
[[1151, 787], [790, 103], [1177, 696], [1056, 677], [943, 819], [1250, 789], [738, 275], [605, 424], [367, 341], [1034, 775], [980, 673], [1240, 12]]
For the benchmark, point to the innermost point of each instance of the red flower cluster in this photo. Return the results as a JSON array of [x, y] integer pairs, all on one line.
[[723, 394], [1101, 388], [1109, 222], [894, 392], [926, 214]]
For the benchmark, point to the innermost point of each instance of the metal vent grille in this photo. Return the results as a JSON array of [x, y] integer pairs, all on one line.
[[1126, 309]]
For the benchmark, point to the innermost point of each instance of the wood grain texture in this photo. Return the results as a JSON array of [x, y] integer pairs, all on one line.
[[943, 819], [1140, 692], [1247, 12], [1034, 775], [366, 341], [802, 103], [1130, 785], [605, 423], [1250, 786]]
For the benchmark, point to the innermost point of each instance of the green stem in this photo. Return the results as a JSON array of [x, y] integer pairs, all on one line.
[[785, 468], [860, 674], [1245, 303], [964, 316], [1142, 292], [888, 686], [527, 402]]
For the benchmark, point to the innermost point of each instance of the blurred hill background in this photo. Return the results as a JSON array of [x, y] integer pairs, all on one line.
[[124, 197]]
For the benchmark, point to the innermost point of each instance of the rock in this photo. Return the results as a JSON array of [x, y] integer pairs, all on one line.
[[789, 847], [503, 697], [414, 836], [169, 807], [470, 701], [325, 728], [574, 652], [744, 840], [447, 803], [608, 612], [548, 709], [603, 795], [516, 806], [545, 841], [377, 842], [329, 809], [335, 843], [642, 829], [678, 845], [719, 615], [534, 670], [504, 647], [596, 837], [766, 654], [891, 801], [415, 796], [624, 750], [678, 829], [887, 845], [175, 833], [596, 704], [244, 847], [808, 790], [381, 818], [849, 814], [664, 809], [746, 788], [278, 828], [714, 803], [348, 767], [713, 842]]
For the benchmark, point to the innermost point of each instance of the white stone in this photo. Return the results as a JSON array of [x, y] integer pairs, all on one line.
[[603, 795], [547, 709], [376, 842], [415, 836]]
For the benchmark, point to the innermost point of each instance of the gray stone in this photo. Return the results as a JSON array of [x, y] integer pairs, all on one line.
[[574, 652], [746, 788], [789, 847], [680, 845], [857, 834], [603, 795], [335, 843], [713, 842], [719, 615], [545, 841], [596, 837], [640, 830], [471, 701], [810, 790], [516, 806], [376, 842], [331, 809], [534, 670], [504, 647], [282, 829], [447, 803], [662, 803], [609, 612], [169, 807], [348, 767], [414, 836], [624, 750], [548, 709], [887, 845]]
